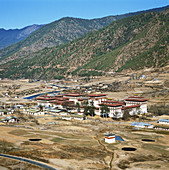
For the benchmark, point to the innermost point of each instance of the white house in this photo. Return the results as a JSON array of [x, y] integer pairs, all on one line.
[[10, 119], [73, 97], [45, 100], [141, 125], [115, 110], [57, 103], [163, 121], [33, 111], [134, 100], [97, 99], [110, 138], [133, 109]]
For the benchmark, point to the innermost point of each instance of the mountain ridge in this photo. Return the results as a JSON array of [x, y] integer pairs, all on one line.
[[59, 32], [134, 43], [12, 36]]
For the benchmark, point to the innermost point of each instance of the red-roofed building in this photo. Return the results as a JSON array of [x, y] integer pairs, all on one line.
[[133, 109], [45, 100], [113, 102], [73, 97], [97, 99], [62, 104], [135, 100], [115, 110]]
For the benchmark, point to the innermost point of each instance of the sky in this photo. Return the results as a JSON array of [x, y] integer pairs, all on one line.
[[21, 13]]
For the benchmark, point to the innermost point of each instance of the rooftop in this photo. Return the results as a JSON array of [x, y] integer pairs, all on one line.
[[137, 100], [112, 105], [132, 106], [73, 94], [110, 102], [163, 120], [97, 95], [109, 134], [140, 124]]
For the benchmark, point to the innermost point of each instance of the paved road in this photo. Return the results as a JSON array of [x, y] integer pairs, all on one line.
[[28, 161]]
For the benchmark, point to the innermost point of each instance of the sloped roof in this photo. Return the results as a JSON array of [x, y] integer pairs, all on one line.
[[140, 124], [136, 100], [163, 120], [97, 95], [112, 105], [132, 106]]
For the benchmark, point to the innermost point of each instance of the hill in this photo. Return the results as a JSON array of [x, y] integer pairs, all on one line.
[[134, 43], [59, 32], [12, 36]]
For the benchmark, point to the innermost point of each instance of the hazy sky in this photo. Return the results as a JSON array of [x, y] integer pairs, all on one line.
[[20, 13]]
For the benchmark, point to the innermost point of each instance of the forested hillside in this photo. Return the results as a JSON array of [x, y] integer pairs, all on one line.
[[134, 43], [55, 33]]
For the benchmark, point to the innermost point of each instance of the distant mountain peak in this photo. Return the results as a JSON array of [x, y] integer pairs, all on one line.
[[12, 36]]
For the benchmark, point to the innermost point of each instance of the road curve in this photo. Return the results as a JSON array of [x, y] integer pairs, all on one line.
[[28, 161]]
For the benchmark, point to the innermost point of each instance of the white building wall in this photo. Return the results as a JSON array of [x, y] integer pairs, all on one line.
[[97, 112], [161, 122], [143, 108], [115, 112], [143, 105], [112, 140]]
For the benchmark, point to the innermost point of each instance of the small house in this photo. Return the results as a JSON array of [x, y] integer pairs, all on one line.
[[163, 121], [110, 138], [141, 125], [10, 119]]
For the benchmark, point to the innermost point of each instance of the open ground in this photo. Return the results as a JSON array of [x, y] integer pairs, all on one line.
[[80, 145]]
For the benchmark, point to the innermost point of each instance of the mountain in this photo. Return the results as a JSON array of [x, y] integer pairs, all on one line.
[[59, 32], [12, 36], [135, 42]]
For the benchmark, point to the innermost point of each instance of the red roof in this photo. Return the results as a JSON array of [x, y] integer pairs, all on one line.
[[110, 102], [73, 94], [66, 98], [112, 105], [59, 96], [96, 95], [132, 106], [71, 101], [60, 102], [137, 100], [80, 99]]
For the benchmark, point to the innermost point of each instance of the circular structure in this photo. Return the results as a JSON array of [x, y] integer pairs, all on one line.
[[35, 140], [129, 149], [148, 140]]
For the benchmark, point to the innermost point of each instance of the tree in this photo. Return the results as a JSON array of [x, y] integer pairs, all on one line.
[[92, 109], [89, 109], [104, 110], [78, 106], [126, 115], [41, 108]]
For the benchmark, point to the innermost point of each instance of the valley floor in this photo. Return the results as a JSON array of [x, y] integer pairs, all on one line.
[[81, 145]]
